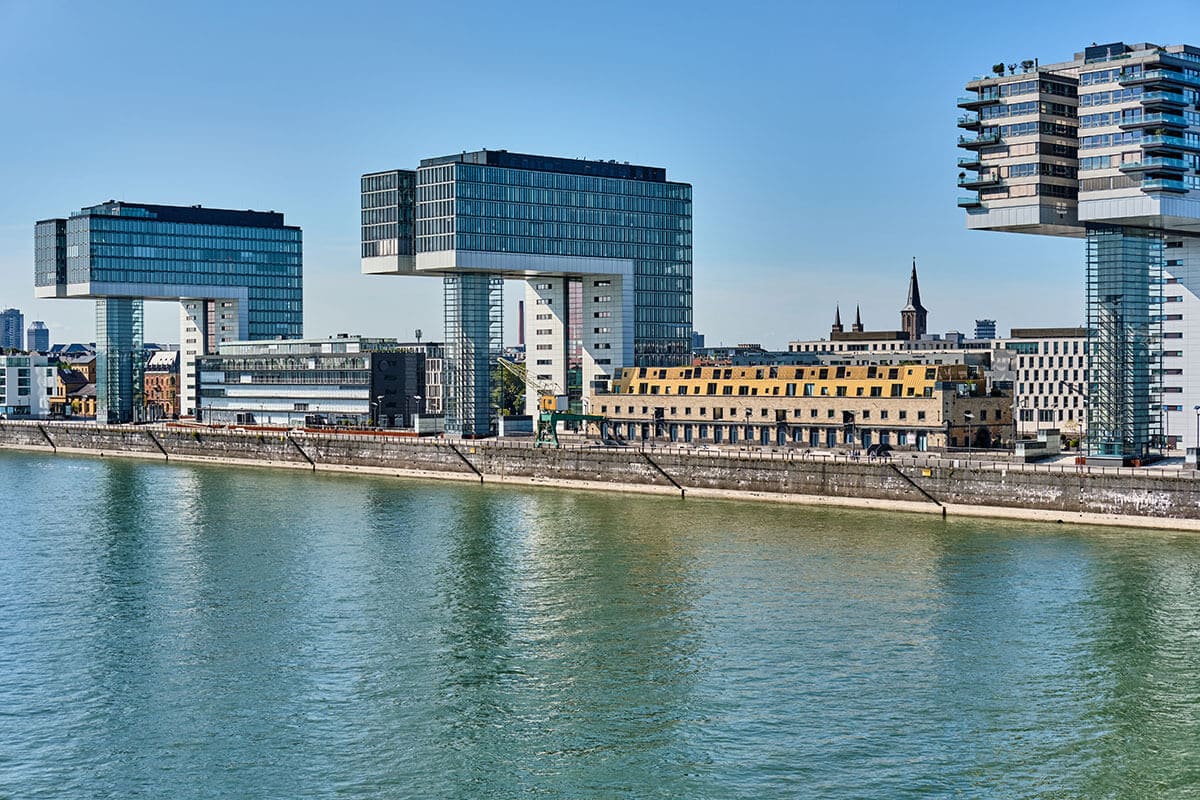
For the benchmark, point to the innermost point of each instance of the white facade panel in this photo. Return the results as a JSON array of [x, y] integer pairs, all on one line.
[[520, 264]]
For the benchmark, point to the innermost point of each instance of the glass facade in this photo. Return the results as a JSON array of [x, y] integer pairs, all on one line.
[[476, 210], [12, 330], [370, 382], [189, 250], [474, 207], [474, 340], [50, 252], [120, 367], [388, 207], [1124, 278], [120, 253]]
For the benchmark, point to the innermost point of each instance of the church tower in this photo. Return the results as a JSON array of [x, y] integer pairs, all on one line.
[[913, 316], [837, 321], [857, 326]]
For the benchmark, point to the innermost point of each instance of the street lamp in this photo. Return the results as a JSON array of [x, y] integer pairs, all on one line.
[[377, 404], [417, 410], [970, 418], [1197, 409]]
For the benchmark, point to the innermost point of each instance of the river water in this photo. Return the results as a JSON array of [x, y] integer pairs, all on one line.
[[210, 632]]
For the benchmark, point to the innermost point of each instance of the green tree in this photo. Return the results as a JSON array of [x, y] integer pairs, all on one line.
[[508, 392]]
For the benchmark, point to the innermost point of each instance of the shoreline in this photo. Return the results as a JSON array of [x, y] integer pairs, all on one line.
[[943, 509]]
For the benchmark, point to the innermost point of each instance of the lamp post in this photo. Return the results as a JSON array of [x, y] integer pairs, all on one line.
[[1197, 464], [417, 410], [970, 418], [377, 404]]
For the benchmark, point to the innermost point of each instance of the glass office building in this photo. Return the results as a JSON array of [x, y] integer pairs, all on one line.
[[345, 380], [236, 274], [605, 249]]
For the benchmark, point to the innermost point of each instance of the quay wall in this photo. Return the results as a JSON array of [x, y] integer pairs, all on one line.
[[1107, 495]]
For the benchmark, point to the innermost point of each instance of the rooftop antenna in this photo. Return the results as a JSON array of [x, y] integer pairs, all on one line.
[[418, 333]]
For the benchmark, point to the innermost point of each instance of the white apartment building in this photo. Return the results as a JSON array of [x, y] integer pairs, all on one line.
[[27, 383], [1048, 370]]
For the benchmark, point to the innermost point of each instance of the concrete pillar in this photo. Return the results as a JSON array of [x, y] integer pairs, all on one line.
[[547, 348], [203, 326], [607, 329]]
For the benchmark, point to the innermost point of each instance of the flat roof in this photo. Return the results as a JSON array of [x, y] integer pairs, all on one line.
[[574, 166], [197, 215], [1048, 333]]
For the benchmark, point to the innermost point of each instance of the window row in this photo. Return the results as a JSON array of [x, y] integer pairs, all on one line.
[[573, 182]]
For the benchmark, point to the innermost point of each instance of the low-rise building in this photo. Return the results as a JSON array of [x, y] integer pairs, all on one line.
[[914, 406], [343, 380], [27, 384], [161, 385], [68, 383], [1048, 371]]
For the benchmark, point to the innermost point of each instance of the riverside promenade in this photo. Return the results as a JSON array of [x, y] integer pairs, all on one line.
[[959, 485]]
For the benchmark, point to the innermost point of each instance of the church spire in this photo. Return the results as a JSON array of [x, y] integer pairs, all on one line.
[[857, 326], [914, 290], [837, 320], [914, 315]]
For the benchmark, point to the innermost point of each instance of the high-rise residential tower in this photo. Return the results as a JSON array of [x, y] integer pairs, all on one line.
[[604, 248], [235, 274], [1105, 147], [12, 329]]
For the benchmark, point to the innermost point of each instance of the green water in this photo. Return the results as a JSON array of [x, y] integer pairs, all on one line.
[[203, 632]]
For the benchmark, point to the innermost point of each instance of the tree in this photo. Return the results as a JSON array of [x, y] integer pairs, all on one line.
[[508, 393]]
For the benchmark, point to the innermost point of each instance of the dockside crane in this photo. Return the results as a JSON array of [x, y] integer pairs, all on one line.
[[553, 406]]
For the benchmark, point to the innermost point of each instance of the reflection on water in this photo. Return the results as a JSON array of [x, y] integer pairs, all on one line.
[[210, 632]]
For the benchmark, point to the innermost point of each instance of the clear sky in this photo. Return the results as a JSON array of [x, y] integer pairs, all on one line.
[[820, 138]]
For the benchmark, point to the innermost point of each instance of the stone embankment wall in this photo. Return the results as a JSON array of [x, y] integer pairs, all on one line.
[[1150, 498]]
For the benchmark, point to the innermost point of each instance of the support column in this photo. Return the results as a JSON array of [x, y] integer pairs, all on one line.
[[607, 329], [474, 324], [119, 365], [203, 326], [547, 346], [1124, 280]]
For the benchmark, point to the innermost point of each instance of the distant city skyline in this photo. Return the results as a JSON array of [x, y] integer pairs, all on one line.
[[809, 191]]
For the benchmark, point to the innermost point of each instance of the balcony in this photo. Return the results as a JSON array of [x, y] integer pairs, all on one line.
[[973, 101], [969, 121], [978, 181], [971, 201], [969, 162], [1158, 76], [981, 140], [1155, 165], [1164, 185], [1157, 99], [1168, 143], [1154, 121]]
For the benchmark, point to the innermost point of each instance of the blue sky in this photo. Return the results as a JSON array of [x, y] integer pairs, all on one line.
[[820, 139]]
